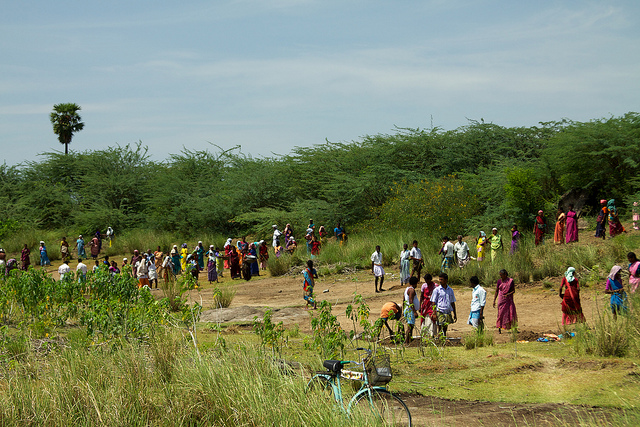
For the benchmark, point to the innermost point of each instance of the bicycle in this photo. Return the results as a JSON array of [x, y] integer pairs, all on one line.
[[372, 397]]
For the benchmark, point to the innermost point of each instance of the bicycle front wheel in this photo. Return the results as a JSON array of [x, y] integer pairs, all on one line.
[[384, 406]]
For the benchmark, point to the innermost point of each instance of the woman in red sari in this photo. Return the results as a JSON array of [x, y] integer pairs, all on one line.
[[234, 260], [25, 259], [505, 288], [540, 228], [571, 307], [615, 227]]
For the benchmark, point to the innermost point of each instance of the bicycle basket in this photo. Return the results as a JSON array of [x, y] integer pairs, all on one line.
[[378, 368]]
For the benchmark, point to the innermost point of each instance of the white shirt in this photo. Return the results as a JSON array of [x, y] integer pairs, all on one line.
[[478, 298], [376, 258], [448, 249], [415, 253], [416, 300], [63, 269], [462, 250], [141, 269], [82, 267], [276, 236]]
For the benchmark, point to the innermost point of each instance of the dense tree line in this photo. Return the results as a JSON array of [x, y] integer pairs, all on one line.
[[507, 173]]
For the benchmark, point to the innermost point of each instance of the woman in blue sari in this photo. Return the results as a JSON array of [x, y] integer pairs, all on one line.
[[616, 289], [44, 257]]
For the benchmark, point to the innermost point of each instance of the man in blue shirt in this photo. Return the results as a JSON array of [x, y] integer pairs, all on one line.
[[444, 304]]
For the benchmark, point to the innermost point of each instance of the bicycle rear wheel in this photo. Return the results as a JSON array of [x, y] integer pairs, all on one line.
[[320, 384], [384, 406]]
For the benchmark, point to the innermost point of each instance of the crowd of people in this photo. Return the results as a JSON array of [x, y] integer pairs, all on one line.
[[437, 309], [434, 304]]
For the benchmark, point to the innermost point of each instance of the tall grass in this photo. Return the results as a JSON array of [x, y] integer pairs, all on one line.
[[610, 336], [162, 385]]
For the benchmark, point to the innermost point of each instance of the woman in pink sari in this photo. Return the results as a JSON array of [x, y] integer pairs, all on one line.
[[634, 272], [572, 225], [507, 316]]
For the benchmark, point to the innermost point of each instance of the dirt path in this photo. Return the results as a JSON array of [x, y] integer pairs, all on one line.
[[434, 411], [538, 308]]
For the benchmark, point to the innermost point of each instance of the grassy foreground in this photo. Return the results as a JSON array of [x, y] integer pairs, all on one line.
[[165, 383]]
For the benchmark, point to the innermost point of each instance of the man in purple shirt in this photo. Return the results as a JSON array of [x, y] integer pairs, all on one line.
[[444, 304]]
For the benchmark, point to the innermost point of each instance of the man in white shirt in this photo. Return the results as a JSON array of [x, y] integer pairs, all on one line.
[[448, 254], [276, 236], [416, 256], [376, 268], [142, 271], [64, 269], [478, 301], [462, 252], [81, 271]]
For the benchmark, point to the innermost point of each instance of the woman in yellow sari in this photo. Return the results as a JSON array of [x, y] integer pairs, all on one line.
[[480, 246], [183, 257]]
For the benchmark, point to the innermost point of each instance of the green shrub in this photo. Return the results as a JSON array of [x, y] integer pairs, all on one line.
[[477, 338], [223, 295]]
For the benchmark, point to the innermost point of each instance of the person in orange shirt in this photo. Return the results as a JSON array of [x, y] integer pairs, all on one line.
[[392, 311]]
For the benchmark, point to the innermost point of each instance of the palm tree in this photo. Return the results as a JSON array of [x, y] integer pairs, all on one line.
[[66, 121]]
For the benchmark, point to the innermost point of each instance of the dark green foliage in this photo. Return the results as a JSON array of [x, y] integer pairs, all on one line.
[[509, 173]]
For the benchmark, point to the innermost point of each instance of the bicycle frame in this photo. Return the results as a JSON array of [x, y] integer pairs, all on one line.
[[336, 386]]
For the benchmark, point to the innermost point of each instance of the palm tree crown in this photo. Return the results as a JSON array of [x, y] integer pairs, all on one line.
[[66, 121]]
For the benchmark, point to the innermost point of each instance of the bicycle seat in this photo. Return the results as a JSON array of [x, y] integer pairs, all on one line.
[[334, 366]]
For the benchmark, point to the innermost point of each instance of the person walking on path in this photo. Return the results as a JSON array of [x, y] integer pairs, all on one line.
[[80, 247], [478, 301], [496, 244], [561, 220], [310, 275], [405, 265], [263, 254], [601, 221], [81, 271], [200, 252], [276, 236], [615, 288], [448, 254], [481, 244], [515, 239], [615, 227], [44, 257], [444, 304], [505, 288], [64, 269], [635, 216], [634, 272], [572, 225], [461, 250], [540, 228], [64, 249], [25, 258], [411, 308], [376, 268], [428, 317], [212, 271], [416, 257], [95, 247], [571, 307]]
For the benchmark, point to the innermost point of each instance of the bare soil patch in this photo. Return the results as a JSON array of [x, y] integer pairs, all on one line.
[[434, 411]]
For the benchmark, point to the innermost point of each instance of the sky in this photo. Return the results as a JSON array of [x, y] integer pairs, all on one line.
[[272, 75]]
